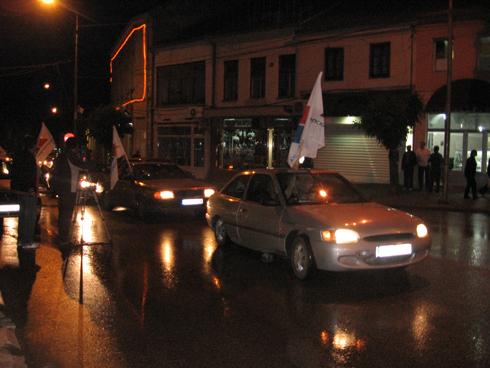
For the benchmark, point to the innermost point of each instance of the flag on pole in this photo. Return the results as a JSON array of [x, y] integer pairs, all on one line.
[[120, 162], [310, 134], [45, 144]]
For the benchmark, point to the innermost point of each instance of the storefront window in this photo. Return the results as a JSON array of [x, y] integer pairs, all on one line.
[[282, 142], [183, 145], [244, 147], [468, 131], [475, 143]]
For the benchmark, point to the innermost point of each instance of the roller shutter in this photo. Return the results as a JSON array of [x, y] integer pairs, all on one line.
[[349, 151]]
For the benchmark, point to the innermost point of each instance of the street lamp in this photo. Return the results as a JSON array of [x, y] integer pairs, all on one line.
[[75, 67]]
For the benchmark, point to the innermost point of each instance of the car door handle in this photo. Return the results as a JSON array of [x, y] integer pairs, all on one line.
[[242, 210]]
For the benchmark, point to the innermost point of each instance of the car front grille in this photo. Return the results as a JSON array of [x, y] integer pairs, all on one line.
[[191, 193], [389, 237]]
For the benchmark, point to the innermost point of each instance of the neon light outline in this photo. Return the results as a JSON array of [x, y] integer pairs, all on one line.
[[143, 27]]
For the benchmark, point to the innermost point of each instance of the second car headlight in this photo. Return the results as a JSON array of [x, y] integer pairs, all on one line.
[[341, 236], [208, 192]]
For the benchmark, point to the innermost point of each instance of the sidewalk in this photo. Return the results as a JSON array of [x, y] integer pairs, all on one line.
[[11, 355], [384, 194]]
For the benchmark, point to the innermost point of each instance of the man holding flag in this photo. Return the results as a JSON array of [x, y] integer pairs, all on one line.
[[310, 134], [45, 144], [120, 162]]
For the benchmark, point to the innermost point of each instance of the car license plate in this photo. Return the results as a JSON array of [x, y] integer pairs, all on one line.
[[383, 251], [192, 201]]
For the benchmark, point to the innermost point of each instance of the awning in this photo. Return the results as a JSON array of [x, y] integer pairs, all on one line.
[[466, 95], [355, 103]]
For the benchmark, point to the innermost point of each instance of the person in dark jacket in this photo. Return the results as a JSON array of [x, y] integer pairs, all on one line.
[[409, 160], [24, 180], [483, 190], [469, 173], [66, 172], [436, 162]]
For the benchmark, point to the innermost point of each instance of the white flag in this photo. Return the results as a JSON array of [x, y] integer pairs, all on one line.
[[120, 161], [45, 144], [310, 134]]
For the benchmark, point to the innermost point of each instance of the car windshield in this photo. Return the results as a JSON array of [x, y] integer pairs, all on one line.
[[317, 188], [159, 171]]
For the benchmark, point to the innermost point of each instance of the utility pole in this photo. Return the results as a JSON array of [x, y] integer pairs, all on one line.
[[447, 126]]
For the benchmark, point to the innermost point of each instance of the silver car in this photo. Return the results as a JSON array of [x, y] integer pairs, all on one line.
[[317, 219]]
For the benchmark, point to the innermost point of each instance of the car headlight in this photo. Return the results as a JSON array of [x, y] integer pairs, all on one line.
[[208, 192], [422, 231], [341, 236], [85, 184], [164, 194], [99, 188]]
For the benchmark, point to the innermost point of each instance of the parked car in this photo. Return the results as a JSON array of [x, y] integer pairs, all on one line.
[[9, 204], [158, 187], [317, 219]]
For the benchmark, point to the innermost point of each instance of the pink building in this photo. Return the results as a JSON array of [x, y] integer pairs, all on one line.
[[232, 99]]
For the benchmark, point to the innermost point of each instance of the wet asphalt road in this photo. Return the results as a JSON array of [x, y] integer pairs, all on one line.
[[165, 296]]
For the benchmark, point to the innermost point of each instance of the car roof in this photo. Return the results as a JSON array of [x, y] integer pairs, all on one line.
[[286, 170]]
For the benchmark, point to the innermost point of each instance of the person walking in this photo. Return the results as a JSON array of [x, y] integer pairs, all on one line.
[[66, 172], [423, 154], [436, 162], [483, 190], [24, 180], [409, 160], [469, 173]]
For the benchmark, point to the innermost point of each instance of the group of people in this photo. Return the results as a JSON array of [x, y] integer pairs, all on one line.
[[25, 179], [430, 165]]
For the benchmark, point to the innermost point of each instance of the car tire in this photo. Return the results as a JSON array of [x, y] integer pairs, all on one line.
[[301, 257], [220, 233]]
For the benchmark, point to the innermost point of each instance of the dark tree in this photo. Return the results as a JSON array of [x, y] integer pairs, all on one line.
[[388, 119]]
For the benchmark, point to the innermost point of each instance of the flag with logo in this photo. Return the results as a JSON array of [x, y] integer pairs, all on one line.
[[120, 163], [45, 144], [310, 134]]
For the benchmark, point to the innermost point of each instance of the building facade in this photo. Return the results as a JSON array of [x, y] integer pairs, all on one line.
[[234, 100]]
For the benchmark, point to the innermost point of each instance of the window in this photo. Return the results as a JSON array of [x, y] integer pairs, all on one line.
[[261, 190], [287, 75], [237, 187], [484, 56], [379, 61], [257, 77], [182, 145], [230, 80], [440, 55], [181, 84], [334, 64]]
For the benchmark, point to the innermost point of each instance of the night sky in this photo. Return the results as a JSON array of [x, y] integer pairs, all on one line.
[[37, 46]]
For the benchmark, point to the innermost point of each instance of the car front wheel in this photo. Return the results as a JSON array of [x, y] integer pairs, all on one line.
[[301, 258], [220, 233]]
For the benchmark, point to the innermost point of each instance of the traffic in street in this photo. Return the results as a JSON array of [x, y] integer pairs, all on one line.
[[164, 294]]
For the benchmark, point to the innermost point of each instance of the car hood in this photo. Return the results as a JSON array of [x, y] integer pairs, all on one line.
[[368, 218], [175, 184]]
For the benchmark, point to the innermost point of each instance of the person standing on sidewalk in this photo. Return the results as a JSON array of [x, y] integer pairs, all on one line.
[[483, 190], [423, 154], [24, 180], [469, 173], [436, 161], [66, 171], [409, 160]]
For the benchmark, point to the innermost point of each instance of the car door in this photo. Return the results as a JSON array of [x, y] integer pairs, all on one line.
[[229, 203], [259, 215]]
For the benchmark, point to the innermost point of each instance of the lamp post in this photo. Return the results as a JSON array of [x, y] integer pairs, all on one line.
[[75, 67]]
